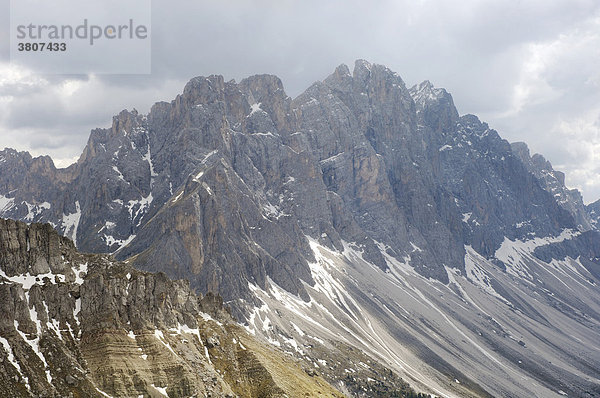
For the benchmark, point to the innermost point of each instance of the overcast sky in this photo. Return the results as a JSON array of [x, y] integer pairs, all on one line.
[[531, 69]]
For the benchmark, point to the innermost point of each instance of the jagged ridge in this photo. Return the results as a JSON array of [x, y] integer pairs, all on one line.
[[86, 325]]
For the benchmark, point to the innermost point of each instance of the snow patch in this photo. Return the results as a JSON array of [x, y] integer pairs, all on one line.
[[180, 329], [515, 253], [70, 223], [198, 176], [207, 188], [161, 337], [207, 354], [327, 284], [332, 159], [148, 158], [475, 272], [34, 210], [179, 195], [12, 359], [35, 343], [272, 211], [255, 108], [6, 203], [119, 174], [162, 390], [111, 240], [103, 393], [140, 207], [81, 270], [207, 317], [27, 280], [297, 329], [267, 134]]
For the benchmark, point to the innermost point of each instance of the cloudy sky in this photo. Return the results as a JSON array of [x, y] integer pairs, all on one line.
[[531, 69]]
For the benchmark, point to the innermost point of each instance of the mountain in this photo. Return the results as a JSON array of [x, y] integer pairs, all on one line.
[[593, 210], [360, 218], [86, 325]]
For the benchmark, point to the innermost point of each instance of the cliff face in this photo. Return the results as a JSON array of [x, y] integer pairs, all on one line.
[[554, 182], [88, 326]]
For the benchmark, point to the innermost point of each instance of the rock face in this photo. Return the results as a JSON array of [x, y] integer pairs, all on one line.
[[554, 182], [86, 325], [360, 214], [593, 210]]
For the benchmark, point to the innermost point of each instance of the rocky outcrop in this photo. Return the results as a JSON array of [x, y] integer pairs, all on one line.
[[86, 325], [553, 181], [593, 211]]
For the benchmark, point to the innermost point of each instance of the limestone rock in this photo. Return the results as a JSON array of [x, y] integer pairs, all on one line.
[[123, 333]]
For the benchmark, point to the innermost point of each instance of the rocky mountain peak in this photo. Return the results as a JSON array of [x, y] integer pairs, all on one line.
[[341, 79], [267, 98], [554, 181], [362, 71], [435, 106], [263, 88], [204, 90], [521, 150], [375, 76], [424, 93], [125, 122], [43, 165], [342, 71], [39, 165]]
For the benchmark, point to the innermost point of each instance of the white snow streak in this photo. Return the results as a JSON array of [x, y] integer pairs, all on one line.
[[70, 223]]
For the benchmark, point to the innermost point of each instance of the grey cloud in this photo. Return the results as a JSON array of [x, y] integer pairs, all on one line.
[[4, 30]]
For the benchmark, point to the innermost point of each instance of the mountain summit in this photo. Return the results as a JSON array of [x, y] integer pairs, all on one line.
[[360, 214]]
